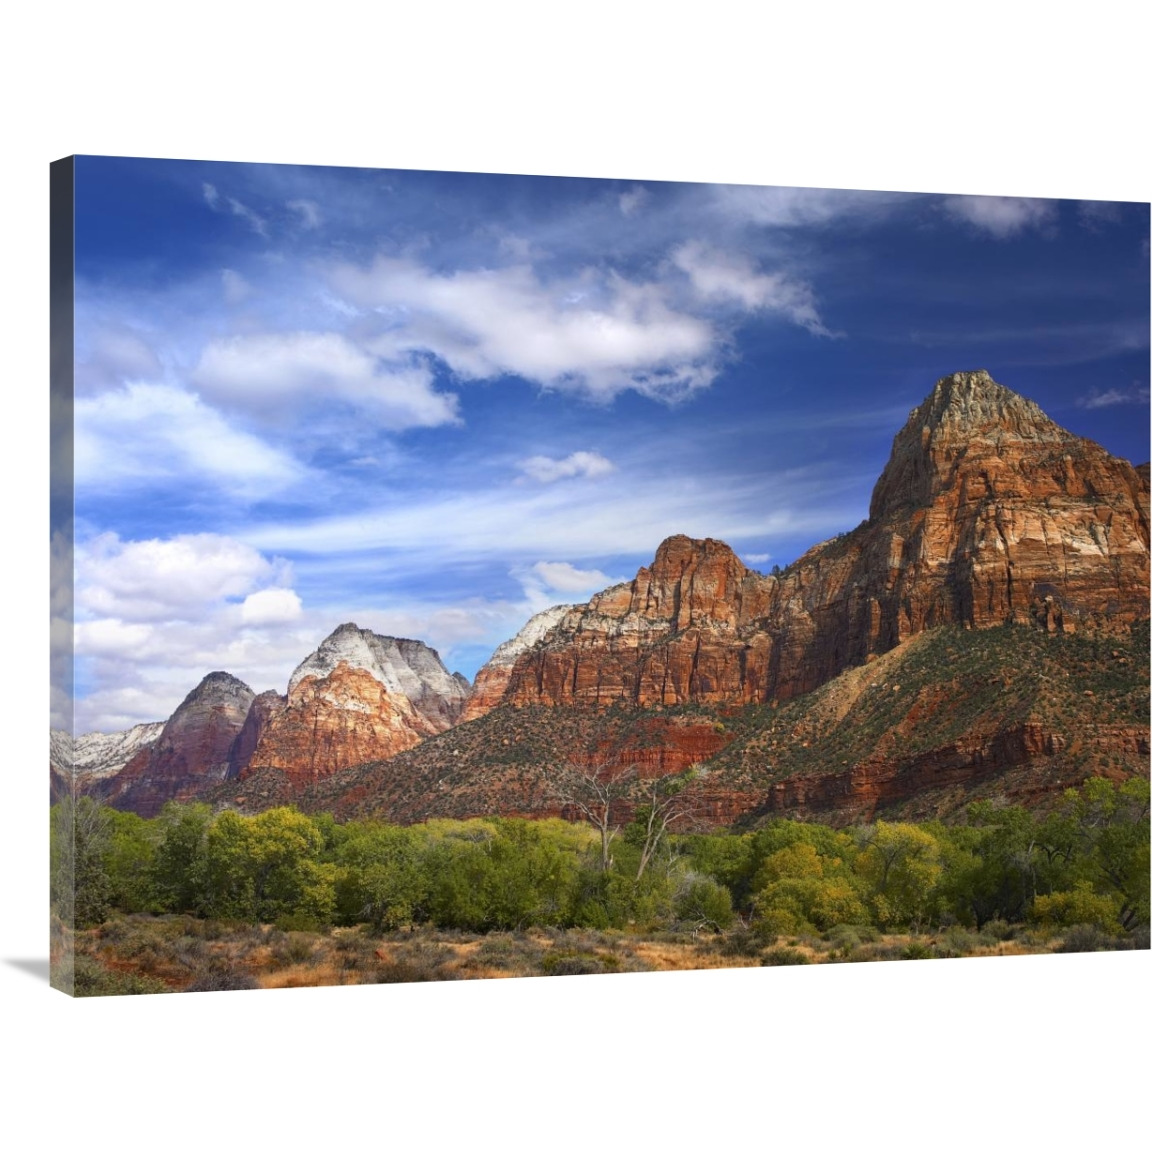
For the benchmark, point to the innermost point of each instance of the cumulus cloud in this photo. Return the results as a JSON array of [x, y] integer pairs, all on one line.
[[271, 606], [1001, 216], [141, 580], [155, 432], [595, 332], [154, 616], [1136, 394], [264, 373], [550, 582], [727, 278], [567, 578], [545, 469]]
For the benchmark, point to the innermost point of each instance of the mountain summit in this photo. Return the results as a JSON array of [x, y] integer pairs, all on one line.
[[986, 513]]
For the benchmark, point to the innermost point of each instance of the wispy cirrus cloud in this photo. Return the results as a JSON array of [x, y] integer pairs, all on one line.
[[229, 204], [307, 212], [1136, 393], [157, 433]]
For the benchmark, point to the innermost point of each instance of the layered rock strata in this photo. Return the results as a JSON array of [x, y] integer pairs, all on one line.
[[987, 512], [77, 764], [192, 753], [358, 697]]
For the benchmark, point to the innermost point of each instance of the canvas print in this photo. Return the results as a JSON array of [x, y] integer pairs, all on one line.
[[463, 576]]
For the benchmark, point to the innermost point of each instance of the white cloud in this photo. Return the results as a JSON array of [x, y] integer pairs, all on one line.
[[567, 578], [797, 207], [150, 580], [1136, 394], [155, 616], [727, 278], [550, 582], [271, 606], [757, 557], [109, 356], [111, 637], [266, 373], [236, 288], [220, 203], [522, 521], [144, 433], [308, 211], [595, 332], [632, 200], [545, 469], [1094, 214], [1001, 216]]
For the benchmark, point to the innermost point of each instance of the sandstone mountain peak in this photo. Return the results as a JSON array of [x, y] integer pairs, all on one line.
[[192, 751], [405, 667], [972, 404], [987, 512], [360, 696], [965, 420], [221, 685]]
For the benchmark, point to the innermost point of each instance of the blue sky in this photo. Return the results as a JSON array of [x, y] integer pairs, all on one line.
[[436, 403]]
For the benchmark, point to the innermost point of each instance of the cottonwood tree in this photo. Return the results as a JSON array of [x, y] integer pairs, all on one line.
[[601, 786], [663, 801], [595, 785]]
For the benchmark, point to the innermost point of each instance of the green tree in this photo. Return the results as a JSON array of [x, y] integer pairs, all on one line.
[[1080, 905], [797, 889], [1100, 835], [181, 857], [382, 877], [268, 867], [80, 834], [901, 865], [130, 861]]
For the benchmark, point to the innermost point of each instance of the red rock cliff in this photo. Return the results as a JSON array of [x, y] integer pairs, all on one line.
[[987, 512], [191, 753]]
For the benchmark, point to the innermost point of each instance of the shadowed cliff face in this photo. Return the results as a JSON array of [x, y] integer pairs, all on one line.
[[986, 513], [191, 753]]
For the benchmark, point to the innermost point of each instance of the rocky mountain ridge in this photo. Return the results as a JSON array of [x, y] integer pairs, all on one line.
[[80, 762], [358, 697], [988, 514]]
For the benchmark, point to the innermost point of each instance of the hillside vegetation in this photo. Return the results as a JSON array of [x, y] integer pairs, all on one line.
[[199, 900]]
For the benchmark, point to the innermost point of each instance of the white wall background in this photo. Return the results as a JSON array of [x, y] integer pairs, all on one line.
[[1009, 98]]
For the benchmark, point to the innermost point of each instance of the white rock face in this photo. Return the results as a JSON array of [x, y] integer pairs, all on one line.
[[407, 667], [97, 755], [536, 628]]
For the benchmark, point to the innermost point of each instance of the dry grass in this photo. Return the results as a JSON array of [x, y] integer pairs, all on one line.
[[142, 954]]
